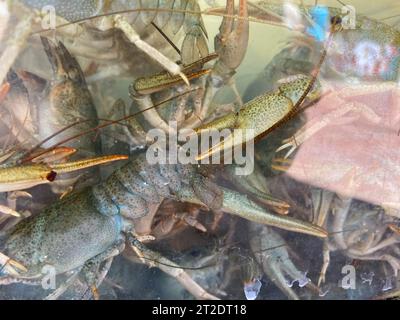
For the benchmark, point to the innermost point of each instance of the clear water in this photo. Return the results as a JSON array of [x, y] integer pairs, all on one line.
[[346, 170]]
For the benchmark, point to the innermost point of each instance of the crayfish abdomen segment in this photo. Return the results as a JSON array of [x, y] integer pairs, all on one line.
[[65, 235], [88, 223]]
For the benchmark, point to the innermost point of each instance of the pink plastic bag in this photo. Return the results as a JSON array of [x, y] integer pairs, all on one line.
[[355, 150]]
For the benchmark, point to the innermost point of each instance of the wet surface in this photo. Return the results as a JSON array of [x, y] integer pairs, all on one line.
[[337, 168]]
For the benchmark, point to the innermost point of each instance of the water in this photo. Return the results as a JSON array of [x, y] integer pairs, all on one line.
[[343, 177]]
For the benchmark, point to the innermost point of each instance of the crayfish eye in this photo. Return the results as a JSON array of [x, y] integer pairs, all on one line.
[[51, 176]]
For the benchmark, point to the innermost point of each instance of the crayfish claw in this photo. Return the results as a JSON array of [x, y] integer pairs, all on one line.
[[10, 266], [9, 211], [281, 164]]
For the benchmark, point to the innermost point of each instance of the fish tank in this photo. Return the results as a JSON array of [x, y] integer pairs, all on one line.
[[218, 150]]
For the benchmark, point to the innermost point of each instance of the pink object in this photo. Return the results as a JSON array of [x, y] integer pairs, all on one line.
[[357, 153]]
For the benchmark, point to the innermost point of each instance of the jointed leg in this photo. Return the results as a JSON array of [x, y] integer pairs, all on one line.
[[154, 259], [315, 126], [122, 24]]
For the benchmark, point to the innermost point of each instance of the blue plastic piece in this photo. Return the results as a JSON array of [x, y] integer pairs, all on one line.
[[320, 15]]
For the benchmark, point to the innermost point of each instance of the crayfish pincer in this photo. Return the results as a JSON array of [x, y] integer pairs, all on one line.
[[87, 228]]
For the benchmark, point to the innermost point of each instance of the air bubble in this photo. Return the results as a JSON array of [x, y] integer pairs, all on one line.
[[252, 289], [388, 285]]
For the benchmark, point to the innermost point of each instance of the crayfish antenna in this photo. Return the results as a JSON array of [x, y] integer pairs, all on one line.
[[86, 163]]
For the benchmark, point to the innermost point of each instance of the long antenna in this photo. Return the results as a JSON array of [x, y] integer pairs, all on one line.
[[166, 38], [315, 73], [204, 12], [391, 17]]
